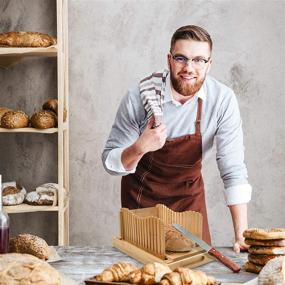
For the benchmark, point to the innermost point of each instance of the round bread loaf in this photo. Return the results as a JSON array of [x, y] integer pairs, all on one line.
[[255, 249], [44, 120], [52, 105], [14, 120], [31, 244], [18, 269], [265, 234], [251, 267], [269, 242], [273, 273], [13, 195], [261, 259], [3, 110], [26, 39], [175, 241]]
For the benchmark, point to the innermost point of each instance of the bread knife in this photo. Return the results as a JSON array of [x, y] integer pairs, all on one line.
[[209, 249]]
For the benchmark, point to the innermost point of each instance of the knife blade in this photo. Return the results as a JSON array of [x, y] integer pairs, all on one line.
[[211, 250]]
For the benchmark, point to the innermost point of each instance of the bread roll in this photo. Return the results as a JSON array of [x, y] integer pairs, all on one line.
[[16, 269], [52, 105], [44, 120], [3, 110], [265, 234], [14, 120], [13, 194], [26, 39], [31, 244]]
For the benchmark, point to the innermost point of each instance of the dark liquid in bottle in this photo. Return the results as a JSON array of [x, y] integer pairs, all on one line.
[[4, 240]]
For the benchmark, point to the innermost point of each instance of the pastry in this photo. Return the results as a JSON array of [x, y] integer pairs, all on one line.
[[260, 259], [26, 39], [16, 269], [44, 120], [150, 274], [118, 272], [254, 249], [45, 194], [31, 244], [269, 242], [186, 276], [52, 105], [12, 194], [273, 273], [251, 267], [265, 234], [14, 120], [175, 241]]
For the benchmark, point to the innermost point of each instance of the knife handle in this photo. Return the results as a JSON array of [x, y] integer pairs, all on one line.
[[225, 260]]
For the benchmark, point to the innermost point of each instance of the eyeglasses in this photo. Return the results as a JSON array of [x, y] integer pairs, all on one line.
[[197, 62]]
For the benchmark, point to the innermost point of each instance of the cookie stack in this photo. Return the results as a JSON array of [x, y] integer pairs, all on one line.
[[265, 244]]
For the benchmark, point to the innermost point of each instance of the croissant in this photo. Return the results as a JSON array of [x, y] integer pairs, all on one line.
[[150, 274], [118, 272], [186, 276]]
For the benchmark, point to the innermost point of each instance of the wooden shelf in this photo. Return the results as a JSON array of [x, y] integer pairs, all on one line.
[[10, 56], [29, 130], [25, 208]]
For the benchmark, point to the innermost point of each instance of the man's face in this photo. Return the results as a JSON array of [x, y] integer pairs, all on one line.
[[188, 77]]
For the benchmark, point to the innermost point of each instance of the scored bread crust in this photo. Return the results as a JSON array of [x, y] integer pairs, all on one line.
[[251, 267], [275, 250], [261, 259], [264, 234], [269, 242]]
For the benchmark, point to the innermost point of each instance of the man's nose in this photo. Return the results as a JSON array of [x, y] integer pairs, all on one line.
[[189, 66]]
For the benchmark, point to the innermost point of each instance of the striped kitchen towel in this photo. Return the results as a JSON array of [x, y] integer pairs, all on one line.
[[152, 90]]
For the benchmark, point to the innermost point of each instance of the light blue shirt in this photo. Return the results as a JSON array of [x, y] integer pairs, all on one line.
[[220, 120]]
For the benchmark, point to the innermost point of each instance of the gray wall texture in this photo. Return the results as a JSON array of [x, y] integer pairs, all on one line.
[[112, 45]]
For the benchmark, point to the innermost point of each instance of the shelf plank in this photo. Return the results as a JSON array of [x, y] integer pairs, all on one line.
[[25, 208], [12, 55], [29, 130]]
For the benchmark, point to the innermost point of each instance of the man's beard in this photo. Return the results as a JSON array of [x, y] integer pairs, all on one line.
[[186, 89]]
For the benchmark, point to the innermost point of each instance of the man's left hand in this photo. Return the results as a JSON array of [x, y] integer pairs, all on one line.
[[240, 245]]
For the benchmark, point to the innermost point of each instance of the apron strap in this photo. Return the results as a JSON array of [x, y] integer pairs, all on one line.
[[198, 118]]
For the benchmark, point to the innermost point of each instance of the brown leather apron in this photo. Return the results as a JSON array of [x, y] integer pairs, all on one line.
[[170, 176]]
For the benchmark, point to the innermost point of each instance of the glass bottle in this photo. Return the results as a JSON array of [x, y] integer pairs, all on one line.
[[4, 225]]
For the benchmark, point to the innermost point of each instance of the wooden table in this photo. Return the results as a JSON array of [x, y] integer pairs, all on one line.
[[80, 263]]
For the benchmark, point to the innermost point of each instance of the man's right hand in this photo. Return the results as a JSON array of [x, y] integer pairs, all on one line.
[[150, 140]]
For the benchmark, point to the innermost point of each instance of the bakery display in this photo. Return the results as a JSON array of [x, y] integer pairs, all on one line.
[[13, 194], [44, 120], [265, 245], [16, 269], [45, 194], [31, 244], [117, 272], [175, 241], [14, 120], [26, 39]]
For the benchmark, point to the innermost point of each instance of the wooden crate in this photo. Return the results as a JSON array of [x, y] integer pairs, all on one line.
[[143, 236]]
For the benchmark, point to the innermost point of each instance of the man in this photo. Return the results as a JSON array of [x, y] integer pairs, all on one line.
[[166, 124]]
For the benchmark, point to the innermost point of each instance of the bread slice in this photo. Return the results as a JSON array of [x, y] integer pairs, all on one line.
[[265, 234], [251, 267], [269, 242], [261, 259], [275, 250]]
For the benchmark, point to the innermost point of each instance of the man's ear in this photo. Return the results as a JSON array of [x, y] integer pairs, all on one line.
[[168, 60], [209, 66]]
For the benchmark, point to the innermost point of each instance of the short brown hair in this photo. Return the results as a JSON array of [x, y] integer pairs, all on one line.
[[191, 32]]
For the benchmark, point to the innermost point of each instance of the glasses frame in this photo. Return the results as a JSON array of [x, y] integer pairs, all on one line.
[[187, 60]]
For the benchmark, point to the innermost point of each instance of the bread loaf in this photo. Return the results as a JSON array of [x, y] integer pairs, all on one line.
[[254, 249], [13, 194], [14, 120], [44, 120], [16, 269], [26, 39], [264, 234], [31, 244], [52, 105], [260, 259], [3, 110]]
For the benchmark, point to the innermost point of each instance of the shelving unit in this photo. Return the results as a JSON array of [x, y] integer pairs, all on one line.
[[11, 56]]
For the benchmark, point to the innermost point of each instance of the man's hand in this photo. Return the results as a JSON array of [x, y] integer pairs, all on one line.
[[240, 246], [149, 140]]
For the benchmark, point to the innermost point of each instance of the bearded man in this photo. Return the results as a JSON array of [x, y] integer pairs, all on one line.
[[167, 124]]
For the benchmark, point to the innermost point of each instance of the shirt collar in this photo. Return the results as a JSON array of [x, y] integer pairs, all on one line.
[[169, 98]]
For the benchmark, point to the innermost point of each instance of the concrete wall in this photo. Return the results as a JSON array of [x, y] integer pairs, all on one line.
[[112, 45]]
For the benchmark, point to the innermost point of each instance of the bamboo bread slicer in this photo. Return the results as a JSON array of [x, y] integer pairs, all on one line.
[[143, 236]]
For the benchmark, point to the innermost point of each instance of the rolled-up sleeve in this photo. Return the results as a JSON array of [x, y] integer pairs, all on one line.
[[230, 152], [125, 131]]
